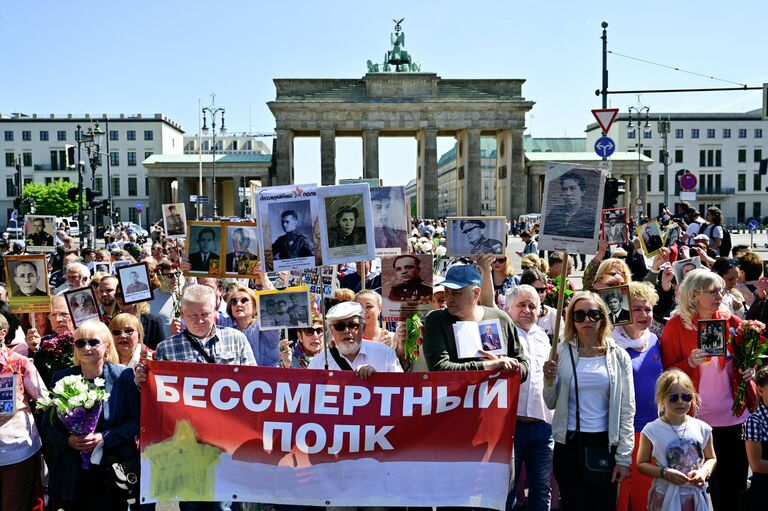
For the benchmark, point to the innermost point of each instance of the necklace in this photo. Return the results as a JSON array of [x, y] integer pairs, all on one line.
[[685, 427]]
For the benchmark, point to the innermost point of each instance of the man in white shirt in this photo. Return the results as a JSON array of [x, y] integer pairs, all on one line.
[[533, 433], [351, 351]]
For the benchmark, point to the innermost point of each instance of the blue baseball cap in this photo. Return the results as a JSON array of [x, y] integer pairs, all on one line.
[[460, 276]]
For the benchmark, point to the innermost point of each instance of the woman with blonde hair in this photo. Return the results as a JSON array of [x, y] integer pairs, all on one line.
[[242, 311], [128, 337], [700, 297], [589, 386], [612, 266]]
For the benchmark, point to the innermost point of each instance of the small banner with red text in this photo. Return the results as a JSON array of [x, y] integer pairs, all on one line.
[[326, 438]]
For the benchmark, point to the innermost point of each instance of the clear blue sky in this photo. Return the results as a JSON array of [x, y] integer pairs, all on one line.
[[144, 56]]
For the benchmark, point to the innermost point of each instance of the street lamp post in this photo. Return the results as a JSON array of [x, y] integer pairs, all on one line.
[[213, 111], [642, 126], [664, 129], [93, 158]]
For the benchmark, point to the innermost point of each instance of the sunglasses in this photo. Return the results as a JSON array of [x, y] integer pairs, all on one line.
[[340, 327], [241, 301], [674, 397], [467, 231], [593, 315], [540, 289], [500, 260], [318, 331], [127, 331], [170, 275], [80, 343]]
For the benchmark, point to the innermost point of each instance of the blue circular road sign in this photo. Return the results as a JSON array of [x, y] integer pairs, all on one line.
[[752, 225], [604, 147]]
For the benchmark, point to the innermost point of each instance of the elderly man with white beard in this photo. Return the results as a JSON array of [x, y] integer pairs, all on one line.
[[533, 433], [351, 352]]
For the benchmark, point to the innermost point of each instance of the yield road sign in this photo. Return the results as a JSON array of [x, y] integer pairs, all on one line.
[[605, 117], [605, 147]]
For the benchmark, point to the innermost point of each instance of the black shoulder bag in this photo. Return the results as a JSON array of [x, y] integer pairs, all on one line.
[[340, 361], [596, 461]]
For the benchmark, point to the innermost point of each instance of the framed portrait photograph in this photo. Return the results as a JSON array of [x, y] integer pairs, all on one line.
[[175, 221], [390, 220], [614, 226], [289, 228], [82, 305], [135, 283], [683, 267], [284, 308], [7, 394], [617, 300], [346, 224], [491, 338], [406, 286], [241, 248], [711, 336], [571, 210], [471, 235], [27, 278], [651, 237], [672, 234], [471, 337], [204, 248], [38, 233]]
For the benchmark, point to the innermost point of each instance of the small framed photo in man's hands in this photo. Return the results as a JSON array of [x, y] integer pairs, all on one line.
[[241, 245], [617, 300], [27, 276], [175, 220], [135, 282], [38, 233], [82, 305], [711, 336], [204, 248], [615, 226]]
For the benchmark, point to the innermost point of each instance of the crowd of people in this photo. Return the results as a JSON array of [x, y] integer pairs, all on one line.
[[630, 416]]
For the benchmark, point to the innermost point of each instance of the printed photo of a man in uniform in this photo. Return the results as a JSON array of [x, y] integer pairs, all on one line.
[[409, 286], [292, 243], [474, 230]]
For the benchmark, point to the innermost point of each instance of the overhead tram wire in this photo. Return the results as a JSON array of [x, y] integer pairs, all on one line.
[[744, 85]]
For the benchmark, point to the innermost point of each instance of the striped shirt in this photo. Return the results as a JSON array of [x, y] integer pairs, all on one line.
[[755, 427], [225, 346]]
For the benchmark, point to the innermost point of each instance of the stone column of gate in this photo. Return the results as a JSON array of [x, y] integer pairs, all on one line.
[[426, 176], [284, 157], [327, 157], [516, 195], [474, 173], [155, 208], [370, 154], [534, 195]]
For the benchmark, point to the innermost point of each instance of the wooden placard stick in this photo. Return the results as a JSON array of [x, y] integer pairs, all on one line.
[[560, 302]]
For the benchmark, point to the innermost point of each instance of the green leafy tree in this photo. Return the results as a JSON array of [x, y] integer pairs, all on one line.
[[51, 199]]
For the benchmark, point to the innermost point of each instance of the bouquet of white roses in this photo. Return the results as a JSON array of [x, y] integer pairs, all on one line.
[[78, 405]]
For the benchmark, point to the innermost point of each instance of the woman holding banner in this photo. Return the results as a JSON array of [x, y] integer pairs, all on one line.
[[589, 385]]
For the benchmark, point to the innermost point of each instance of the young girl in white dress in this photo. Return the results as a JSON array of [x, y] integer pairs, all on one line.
[[680, 447]]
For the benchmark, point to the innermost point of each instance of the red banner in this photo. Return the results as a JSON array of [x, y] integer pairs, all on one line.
[[296, 436]]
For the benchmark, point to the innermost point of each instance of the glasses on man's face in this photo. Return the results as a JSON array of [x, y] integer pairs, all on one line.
[[127, 331], [675, 397], [311, 331], [593, 315], [470, 229], [340, 327], [80, 343], [241, 301]]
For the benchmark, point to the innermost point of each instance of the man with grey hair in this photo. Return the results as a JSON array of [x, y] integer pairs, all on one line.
[[533, 433], [202, 341], [351, 352], [76, 276]]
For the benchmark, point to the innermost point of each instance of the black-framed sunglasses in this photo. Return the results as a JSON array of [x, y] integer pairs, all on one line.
[[675, 397], [241, 301], [340, 327], [593, 315], [540, 289], [80, 343], [127, 331], [311, 331], [500, 260], [171, 274]]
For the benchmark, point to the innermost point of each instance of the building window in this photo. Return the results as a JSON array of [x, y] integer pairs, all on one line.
[[234, 145], [48, 180], [756, 210], [131, 158], [115, 186], [695, 133], [647, 133], [99, 184], [10, 160], [133, 186], [718, 158], [27, 159], [661, 182], [758, 132], [710, 133], [742, 183], [10, 187], [9, 136], [678, 156], [742, 133], [631, 134], [741, 212], [648, 153], [61, 135], [147, 154], [726, 132], [26, 136], [44, 136], [756, 182], [206, 145], [149, 135], [661, 156], [742, 156], [130, 135], [28, 180], [702, 157], [679, 133], [114, 159], [758, 155], [113, 135]]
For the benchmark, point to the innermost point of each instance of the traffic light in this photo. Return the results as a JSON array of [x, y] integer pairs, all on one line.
[[71, 161], [90, 195], [17, 204], [72, 194], [614, 188]]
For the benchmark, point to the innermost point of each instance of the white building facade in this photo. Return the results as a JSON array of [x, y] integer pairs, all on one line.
[[41, 143], [723, 150]]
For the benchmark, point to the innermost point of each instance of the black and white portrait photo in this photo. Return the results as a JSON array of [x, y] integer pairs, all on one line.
[[291, 228], [286, 308], [38, 233], [476, 235], [175, 220], [27, 279], [134, 281], [711, 336], [346, 223], [615, 230], [390, 220], [684, 267], [573, 195], [651, 237], [204, 247], [617, 300], [242, 249], [406, 285], [103, 268], [82, 305]]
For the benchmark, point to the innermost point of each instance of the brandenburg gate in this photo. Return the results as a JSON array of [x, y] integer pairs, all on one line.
[[399, 100]]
